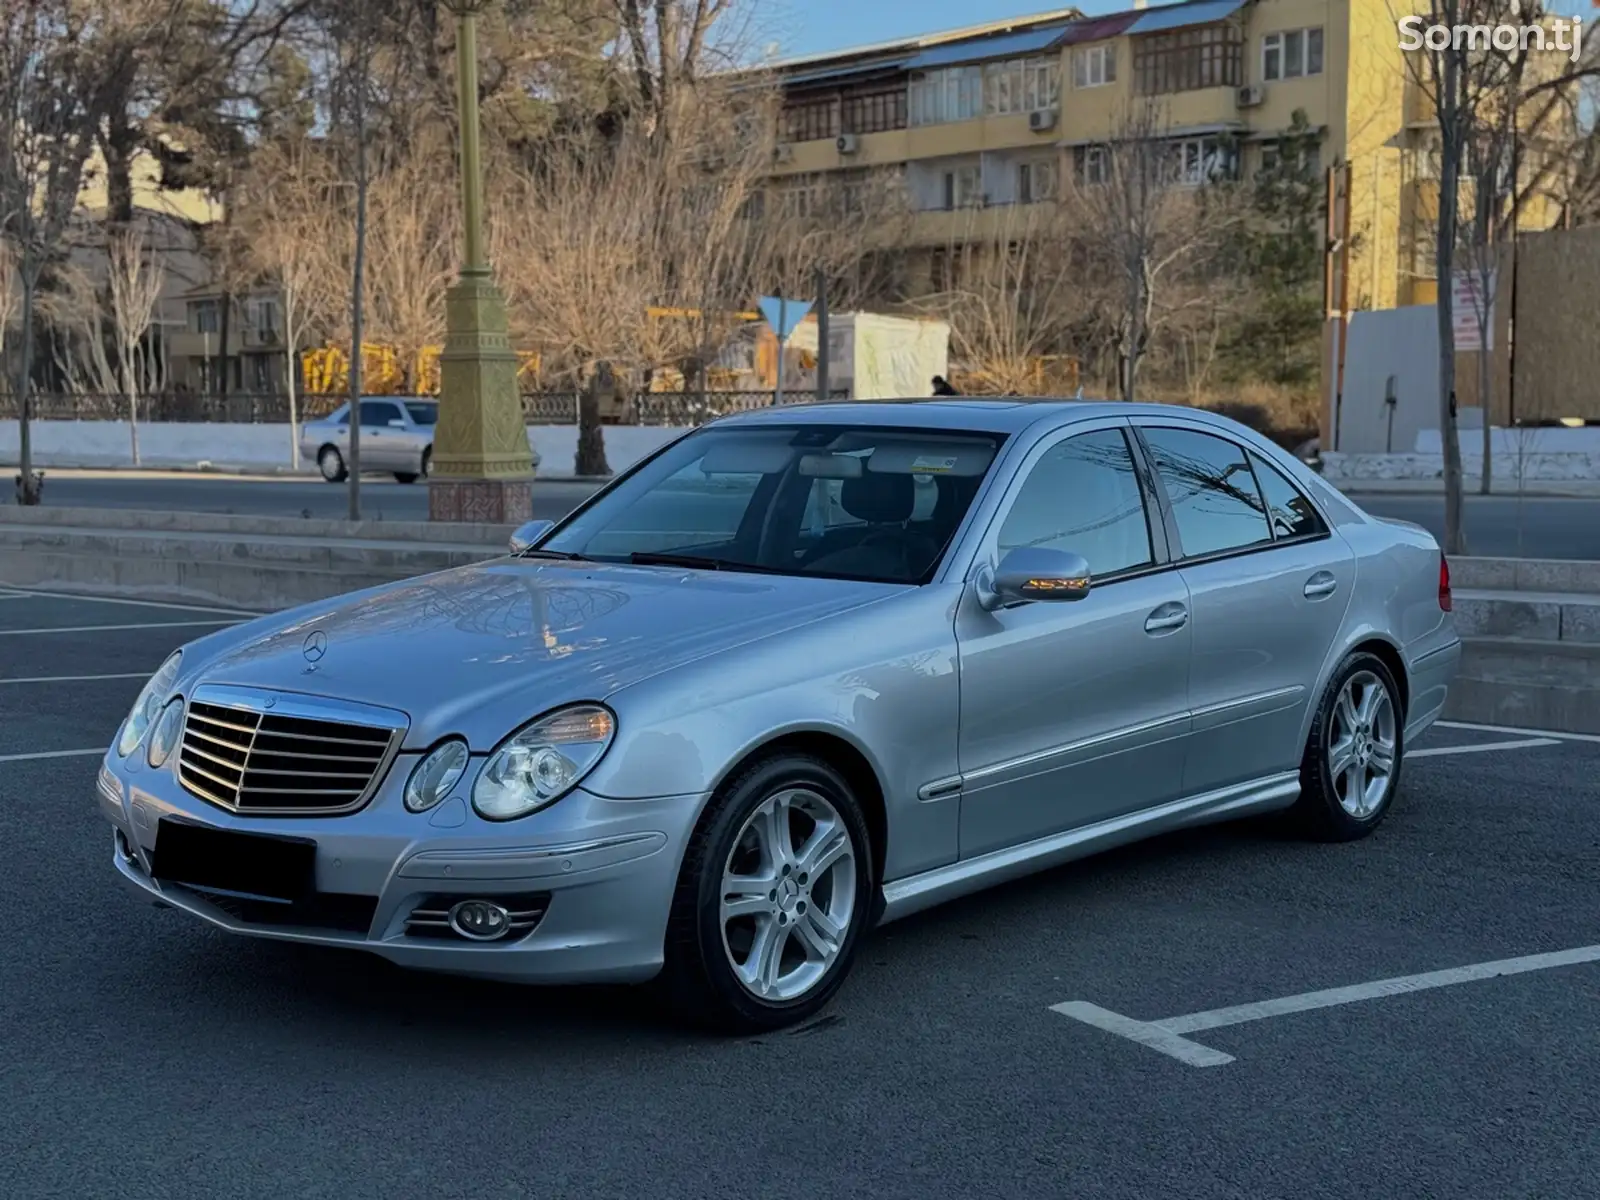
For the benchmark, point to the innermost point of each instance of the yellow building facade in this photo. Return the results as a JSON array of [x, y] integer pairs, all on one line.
[[978, 121]]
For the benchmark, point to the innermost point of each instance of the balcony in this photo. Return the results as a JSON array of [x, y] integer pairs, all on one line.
[[245, 339]]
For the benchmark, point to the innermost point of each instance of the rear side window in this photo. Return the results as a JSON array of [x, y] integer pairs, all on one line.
[[1083, 496], [1291, 514], [1213, 492]]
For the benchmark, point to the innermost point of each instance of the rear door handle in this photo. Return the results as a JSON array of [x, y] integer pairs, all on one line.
[[1319, 585], [1167, 618]]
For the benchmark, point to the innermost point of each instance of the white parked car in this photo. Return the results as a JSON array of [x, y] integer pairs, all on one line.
[[396, 438]]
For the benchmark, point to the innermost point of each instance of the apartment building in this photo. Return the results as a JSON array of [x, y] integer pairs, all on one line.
[[975, 122]]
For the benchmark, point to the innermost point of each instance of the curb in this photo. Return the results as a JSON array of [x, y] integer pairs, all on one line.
[[226, 470]]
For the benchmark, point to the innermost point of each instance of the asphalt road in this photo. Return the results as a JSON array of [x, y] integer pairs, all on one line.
[[147, 1056], [1531, 527]]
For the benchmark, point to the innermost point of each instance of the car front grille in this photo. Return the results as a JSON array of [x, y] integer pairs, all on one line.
[[325, 912], [257, 761]]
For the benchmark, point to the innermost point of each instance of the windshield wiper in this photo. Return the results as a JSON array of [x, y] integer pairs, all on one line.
[[563, 555], [645, 558]]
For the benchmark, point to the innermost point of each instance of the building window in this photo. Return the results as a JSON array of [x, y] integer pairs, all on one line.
[[1188, 60], [962, 187], [1091, 164], [1094, 66], [811, 121], [206, 316], [1021, 85], [1272, 155], [873, 112], [1195, 161], [1036, 181], [953, 94], [1291, 54], [941, 270]]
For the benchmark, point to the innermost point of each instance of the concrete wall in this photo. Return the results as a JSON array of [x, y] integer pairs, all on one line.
[[1518, 457], [1402, 343], [267, 447]]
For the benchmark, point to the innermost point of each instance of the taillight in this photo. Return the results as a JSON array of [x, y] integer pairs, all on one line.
[[1444, 584]]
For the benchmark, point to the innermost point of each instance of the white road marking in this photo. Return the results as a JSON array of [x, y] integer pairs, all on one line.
[[81, 678], [114, 628], [1166, 1036], [5, 758], [1549, 733], [18, 591], [1481, 748]]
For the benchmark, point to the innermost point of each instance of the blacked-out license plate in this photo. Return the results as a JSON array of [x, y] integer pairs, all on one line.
[[225, 860]]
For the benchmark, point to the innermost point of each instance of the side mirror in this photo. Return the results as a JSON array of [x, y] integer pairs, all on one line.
[[1033, 573], [526, 535]]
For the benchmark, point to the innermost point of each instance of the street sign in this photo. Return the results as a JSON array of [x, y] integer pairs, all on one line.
[[1472, 309], [784, 314]]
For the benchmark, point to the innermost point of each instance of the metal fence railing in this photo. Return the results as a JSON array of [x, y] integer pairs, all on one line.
[[538, 408]]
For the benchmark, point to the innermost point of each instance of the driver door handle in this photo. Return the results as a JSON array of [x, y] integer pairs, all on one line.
[[1167, 618]]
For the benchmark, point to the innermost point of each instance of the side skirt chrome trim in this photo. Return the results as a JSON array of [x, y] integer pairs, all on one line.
[[918, 892]]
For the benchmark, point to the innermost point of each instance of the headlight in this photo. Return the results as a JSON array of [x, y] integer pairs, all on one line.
[[165, 738], [144, 708], [542, 762], [438, 772]]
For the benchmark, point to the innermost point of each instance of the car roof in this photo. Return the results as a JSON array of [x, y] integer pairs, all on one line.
[[993, 415]]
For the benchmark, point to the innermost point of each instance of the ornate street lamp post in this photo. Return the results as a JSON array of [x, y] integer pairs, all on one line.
[[482, 467]]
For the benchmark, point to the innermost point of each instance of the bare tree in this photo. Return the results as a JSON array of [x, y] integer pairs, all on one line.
[[1011, 297], [290, 231], [49, 111], [1478, 95], [10, 305], [1149, 215]]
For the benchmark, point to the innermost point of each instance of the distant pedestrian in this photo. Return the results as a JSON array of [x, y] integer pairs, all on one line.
[[941, 387]]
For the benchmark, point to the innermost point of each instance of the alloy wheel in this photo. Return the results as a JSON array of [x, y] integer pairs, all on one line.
[[788, 895], [1362, 744]]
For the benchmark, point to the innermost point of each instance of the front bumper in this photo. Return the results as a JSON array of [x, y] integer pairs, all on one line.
[[602, 872]]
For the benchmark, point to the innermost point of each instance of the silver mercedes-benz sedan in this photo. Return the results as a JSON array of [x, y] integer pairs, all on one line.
[[800, 672]]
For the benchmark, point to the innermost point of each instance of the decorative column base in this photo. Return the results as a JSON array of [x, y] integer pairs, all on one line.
[[481, 501], [482, 462]]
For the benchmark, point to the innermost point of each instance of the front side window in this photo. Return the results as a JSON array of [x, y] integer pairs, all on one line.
[[1083, 496], [838, 501], [1212, 491]]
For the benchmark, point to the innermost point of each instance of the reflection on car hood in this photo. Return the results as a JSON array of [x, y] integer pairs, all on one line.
[[490, 645]]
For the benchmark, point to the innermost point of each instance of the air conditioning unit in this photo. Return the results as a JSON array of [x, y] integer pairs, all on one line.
[[783, 152], [848, 143], [1040, 120], [1251, 95]]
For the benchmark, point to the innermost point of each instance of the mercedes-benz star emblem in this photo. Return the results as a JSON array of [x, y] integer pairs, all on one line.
[[316, 646]]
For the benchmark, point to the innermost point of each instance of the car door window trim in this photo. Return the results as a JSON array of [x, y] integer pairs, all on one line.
[[1169, 518], [988, 543]]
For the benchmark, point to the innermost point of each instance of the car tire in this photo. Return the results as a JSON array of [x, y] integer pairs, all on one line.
[[405, 476], [809, 923], [1351, 769], [427, 462], [331, 463]]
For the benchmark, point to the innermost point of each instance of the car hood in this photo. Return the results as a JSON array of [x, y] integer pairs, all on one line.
[[480, 649]]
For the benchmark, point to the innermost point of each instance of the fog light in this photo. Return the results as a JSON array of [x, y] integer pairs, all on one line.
[[480, 920]]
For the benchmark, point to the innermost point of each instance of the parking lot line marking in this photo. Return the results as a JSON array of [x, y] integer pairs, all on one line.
[[1481, 748], [1548, 733], [20, 592], [114, 628], [5, 758], [79, 678], [1167, 1035]]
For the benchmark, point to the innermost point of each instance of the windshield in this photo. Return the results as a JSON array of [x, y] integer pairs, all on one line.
[[831, 500], [423, 413]]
